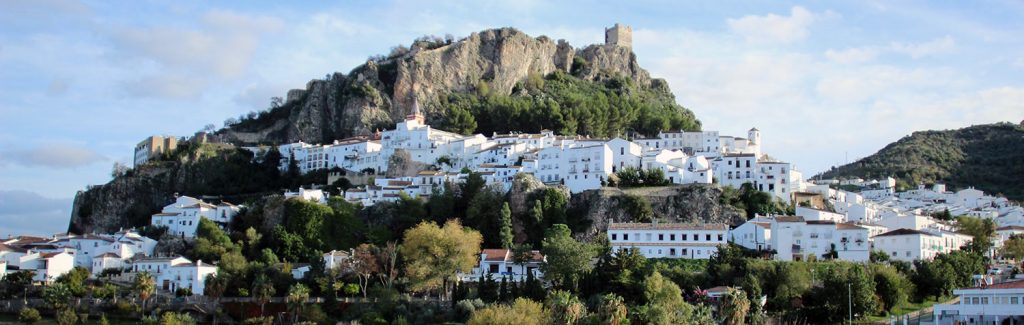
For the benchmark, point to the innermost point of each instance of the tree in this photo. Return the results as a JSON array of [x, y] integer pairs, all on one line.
[[506, 227], [387, 258], [566, 258], [263, 289], [297, 296], [435, 255], [665, 304], [75, 280], [522, 312], [612, 310], [144, 286], [981, 230], [565, 308], [1014, 247], [734, 308], [276, 102], [56, 296], [891, 287], [119, 170], [364, 264], [216, 285]]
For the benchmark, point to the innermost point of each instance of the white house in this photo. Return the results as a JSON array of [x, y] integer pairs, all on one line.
[[502, 263], [810, 214], [670, 240], [1001, 303], [47, 267], [316, 196], [910, 244], [182, 217], [795, 238], [335, 258], [754, 234], [185, 275]]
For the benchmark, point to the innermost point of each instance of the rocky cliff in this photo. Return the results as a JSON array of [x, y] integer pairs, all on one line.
[[687, 204], [381, 92]]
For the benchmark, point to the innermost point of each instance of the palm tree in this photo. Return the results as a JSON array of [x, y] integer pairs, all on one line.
[[145, 287], [263, 289], [297, 296], [735, 306]]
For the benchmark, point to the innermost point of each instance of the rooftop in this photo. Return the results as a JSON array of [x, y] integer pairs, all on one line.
[[667, 226], [903, 232]]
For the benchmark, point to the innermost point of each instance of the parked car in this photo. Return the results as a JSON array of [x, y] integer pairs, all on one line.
[[995, 271]]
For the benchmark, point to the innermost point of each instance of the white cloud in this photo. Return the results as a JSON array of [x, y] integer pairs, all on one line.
[[918, 50], [28, 213], [772, 27], [852, 55], [54, 155], [170, 85]]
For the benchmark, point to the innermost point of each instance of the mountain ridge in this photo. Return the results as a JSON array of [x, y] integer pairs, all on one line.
[[986, 156]]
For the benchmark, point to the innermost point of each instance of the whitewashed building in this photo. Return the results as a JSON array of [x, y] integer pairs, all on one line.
[[911, 244], [1001, 303], [47, 266], [182, 217], [795, 239], [668, 240], [501, 263], [173, 273]]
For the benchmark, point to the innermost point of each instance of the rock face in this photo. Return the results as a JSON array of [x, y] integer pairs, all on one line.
[[687, 204], [381, 92]]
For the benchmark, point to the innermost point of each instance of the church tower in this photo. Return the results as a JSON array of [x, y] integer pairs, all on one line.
[[416, 114], [754, 135]]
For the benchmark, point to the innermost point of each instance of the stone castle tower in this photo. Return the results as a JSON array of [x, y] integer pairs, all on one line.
[[620, 35]]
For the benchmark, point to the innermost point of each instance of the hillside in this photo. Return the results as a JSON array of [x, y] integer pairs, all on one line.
[[987, 157], [495, 80]]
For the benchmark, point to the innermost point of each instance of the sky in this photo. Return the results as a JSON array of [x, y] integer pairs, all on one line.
[[826, 82]]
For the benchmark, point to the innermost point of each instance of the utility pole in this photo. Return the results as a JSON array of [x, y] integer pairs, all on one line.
[[849, 295]]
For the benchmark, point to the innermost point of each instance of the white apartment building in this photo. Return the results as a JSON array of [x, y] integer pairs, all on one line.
[[335, 258], [911, 244], [182, 217], [668, 240], [87, 248], [1001, 303]]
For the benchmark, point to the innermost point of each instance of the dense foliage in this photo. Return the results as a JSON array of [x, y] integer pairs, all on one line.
[[984, 156], [567, 105]]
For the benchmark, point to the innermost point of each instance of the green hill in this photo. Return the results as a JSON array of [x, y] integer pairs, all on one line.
[[989, 157]]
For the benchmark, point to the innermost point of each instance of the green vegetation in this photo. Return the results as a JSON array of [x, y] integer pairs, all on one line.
[[752, 201], [568, 105], [636, 177], [984, 156]]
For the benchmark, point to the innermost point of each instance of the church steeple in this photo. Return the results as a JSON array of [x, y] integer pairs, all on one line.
[[415, 114]]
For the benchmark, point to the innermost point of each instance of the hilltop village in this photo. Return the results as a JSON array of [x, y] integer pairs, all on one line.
[[799, 243]]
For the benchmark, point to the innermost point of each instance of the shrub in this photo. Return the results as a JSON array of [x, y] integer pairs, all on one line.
[[29, 315], [177, 319], [67, 317]]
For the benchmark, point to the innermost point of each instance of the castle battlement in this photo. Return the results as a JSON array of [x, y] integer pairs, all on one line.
[[619, 35]]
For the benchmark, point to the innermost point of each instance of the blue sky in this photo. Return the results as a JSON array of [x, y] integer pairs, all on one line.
[[82, 82]]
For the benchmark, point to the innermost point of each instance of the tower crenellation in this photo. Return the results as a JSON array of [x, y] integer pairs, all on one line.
[[619, 35]]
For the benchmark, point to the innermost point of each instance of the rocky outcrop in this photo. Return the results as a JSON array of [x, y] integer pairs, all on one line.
[[688, 204], [381, 92]]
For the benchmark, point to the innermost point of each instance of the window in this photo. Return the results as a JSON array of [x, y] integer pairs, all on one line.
[[719, 237], [625, 236], [672, 252], [672, 237], [615, 236], [707, 237], [493, 268], [661, 237]]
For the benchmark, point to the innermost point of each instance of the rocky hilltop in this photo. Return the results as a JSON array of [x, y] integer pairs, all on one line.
[[380, 92]]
